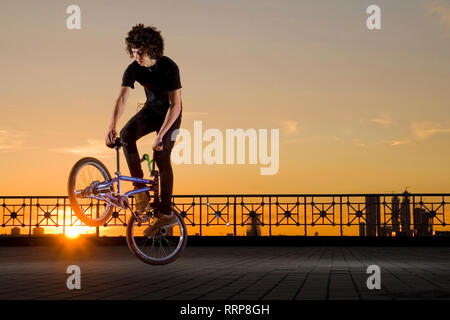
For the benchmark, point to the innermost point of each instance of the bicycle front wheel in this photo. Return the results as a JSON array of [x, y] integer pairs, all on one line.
[[90, 210], [163, 247]]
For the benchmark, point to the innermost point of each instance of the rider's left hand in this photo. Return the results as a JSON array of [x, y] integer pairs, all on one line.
[[157, 147]]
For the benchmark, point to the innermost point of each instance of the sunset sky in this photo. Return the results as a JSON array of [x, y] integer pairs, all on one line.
[[359, 111]]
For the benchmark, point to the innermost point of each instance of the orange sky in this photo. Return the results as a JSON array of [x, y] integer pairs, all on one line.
[[358, 110]]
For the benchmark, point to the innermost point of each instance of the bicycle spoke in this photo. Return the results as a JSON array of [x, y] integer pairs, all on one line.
[[90, 173], [153, 245], [173, 243], [168, 243], [160, 244], [146, 239]]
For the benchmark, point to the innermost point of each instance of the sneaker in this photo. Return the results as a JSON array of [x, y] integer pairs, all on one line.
[[142, 201], [160, 221]]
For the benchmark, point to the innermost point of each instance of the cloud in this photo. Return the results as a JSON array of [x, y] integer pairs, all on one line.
[[311, 138], [424, 130], [11, 141], [358, 143], [399, 142], [289, 126], [441, 10], [94, 148], [383, 120], [394, 143]]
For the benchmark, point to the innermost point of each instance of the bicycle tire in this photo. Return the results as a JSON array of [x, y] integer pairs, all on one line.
[[150, 260], [74, 202]]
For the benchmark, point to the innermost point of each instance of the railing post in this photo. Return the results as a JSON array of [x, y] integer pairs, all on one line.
[[270, 216], [31, 213], [306, 221], [64, 218], [97, 229], [414, 222], [340, 214], [234, 216], [200, 214]]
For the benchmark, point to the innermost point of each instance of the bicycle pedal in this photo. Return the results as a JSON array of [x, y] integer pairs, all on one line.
[[144, 218]]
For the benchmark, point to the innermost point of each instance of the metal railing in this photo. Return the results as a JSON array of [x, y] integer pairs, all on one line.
[[407, 214]]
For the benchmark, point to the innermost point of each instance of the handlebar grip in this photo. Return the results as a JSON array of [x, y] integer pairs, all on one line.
[[117, 143]]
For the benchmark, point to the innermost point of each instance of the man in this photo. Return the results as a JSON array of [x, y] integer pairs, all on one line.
[[159, 75]]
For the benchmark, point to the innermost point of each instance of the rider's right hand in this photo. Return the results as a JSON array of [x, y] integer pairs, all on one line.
[[111, 137]]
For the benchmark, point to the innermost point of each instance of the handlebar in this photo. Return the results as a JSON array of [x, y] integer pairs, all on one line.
[[150, 162], [118, 143]]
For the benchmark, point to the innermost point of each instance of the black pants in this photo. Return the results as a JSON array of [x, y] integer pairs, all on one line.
[[143, 123]]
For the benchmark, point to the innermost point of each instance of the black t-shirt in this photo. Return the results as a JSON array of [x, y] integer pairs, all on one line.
[[157, 80]]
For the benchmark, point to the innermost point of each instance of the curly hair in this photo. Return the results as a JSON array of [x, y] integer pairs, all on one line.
[[148, 39]]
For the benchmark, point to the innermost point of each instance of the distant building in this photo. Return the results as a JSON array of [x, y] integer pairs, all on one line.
[[423, 223], [372, 215], [15, 231], [38, 231], [395, 214], [405, 215], [253, 232], [254, 229], [385, 232], [362, 229]]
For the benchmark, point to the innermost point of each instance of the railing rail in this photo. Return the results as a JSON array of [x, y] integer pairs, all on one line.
[[374, 214]]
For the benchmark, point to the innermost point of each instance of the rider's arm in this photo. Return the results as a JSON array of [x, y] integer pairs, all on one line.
[[119, 107], [172, 113], [121, 102]]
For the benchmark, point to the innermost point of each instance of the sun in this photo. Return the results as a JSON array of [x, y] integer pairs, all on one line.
[[72, 232]]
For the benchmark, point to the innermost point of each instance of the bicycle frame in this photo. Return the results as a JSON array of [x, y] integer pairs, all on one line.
[[120, 177], [152, 185]]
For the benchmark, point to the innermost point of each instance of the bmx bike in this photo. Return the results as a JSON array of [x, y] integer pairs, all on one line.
[[93, 196]]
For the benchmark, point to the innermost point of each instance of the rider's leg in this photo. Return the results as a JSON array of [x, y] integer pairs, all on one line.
[[162, 159], [141, 124], [138, 126]]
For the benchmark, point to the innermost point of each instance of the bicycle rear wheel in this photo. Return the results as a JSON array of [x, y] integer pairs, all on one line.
[[163, 247], [85, 173]]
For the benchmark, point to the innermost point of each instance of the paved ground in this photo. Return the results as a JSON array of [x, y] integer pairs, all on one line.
[[112, 272]]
